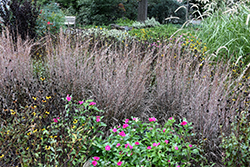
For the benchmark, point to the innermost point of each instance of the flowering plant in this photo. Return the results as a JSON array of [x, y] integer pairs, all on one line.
[[145, 144]]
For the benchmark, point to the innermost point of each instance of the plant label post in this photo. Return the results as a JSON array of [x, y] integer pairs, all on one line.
[[70, 20]]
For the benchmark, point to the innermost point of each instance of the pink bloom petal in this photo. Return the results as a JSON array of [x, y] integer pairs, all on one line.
[[137, 143], [98, 120], [152, 119], [154, 144], [164, 130], [190, 145], [122, 133], [68, 98], [170, 118], [166, 141], [96, 158], [55, 120], [81, 102], [126, 121], [119, 163], [125, 125], [92, 104], [107, 148], [148, 147], [176, 148], [118, 144], [131, 147], [114, 130], [94, 163], [184, 123]]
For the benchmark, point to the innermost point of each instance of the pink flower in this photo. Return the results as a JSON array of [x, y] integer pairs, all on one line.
[[190, 145], [68, 98], [168, 160], [176, 148], [107, 148], [166, 141], [164, 130], [96, 158], [122, 134], [92, 104], [98, 118], [170, 118], [124, 126], [55, 120], [118, 144], [80, 102], [119, 163], [114, 130], [94, 163], [155, 144], [118, 126], [131, 147], [178, 166], [126, 145], [184, 123], [48, 23], [120, 152], [134, 119], [137, 143], [152, 119], [149, 148], [126, 121]]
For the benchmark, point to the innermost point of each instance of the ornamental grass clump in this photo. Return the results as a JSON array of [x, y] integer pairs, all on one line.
[[135, 143]]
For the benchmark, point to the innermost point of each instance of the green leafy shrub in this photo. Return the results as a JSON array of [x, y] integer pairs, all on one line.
[[148, 23], [145, 144], [236, 145], [50, 19], [21, 15]]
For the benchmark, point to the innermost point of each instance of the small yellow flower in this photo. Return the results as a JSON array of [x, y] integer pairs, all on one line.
[[8, 131], [27, 148], [233, 99], [43, 129], [204, 76], [74, 126], [48, 97], [51, 137], [55, 136], [47, 112], [23, 117], [34, 98], [34, 113], [162, 55], [12, 112], [47, 147], [75, 121], [28, 133], [2, 156], [35, 131], [44, 101], [240, 83], [42, 78], [100, 28]]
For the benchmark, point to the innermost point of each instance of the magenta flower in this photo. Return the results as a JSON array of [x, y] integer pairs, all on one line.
[[126, 121], [137, 143], [107, 148], [94, 163], [126, 145], [149, 148], [48, 23], [68, 98], [122, 133], [118, 126], [80, 102], [131, 147], [170, 118], [118, 144], [166, 141], [190, 145], [176, 148], [124, 126], [168, 160], [155, 144], [114, 130], [96, 158], [152, 119], [97, 118], [134, 119], [164, 130], [119, 163], [184, 123], [55, 120], [92, 104]]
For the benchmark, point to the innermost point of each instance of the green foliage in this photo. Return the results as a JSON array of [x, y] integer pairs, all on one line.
[[227, 34], [236, 145], [148, 23], [21, 15], [162, 9], [51, 18], [145, 144], [98, 12], [124, 22], [34, 136]]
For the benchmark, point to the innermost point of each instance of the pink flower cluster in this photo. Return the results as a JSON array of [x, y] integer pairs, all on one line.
[[94, 163], [98, 118], [56, 119], [152, 119]]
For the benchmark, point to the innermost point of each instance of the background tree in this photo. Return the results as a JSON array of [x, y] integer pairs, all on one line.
[[142, 10]]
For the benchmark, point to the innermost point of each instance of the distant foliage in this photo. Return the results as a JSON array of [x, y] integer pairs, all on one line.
[[161, 9], [22, 15]]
